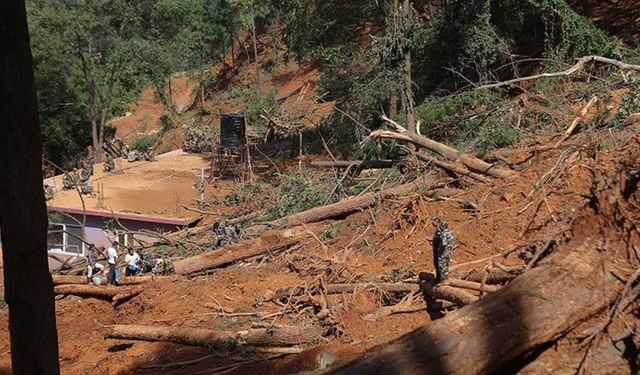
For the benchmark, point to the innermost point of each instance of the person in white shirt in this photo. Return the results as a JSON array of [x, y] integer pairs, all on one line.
[[131, 259], [112, 259]]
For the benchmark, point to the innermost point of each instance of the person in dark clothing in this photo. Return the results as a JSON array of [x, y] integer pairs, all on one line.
[[442, 248]]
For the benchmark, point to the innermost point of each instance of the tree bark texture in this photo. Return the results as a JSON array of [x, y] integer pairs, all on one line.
[[471, 162], [124, 280], [113, 293], [23, 215], [536, 308], [209, 337], [269, 243]]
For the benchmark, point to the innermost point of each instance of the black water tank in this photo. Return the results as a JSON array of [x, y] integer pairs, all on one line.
[[232, 130]]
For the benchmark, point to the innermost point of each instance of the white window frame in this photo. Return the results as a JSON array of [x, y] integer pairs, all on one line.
[[126, 238], [65, 241]]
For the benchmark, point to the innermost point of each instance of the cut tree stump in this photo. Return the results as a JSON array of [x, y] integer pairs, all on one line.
[[115, 294], [208, 337], [536, 308], [269, 243]]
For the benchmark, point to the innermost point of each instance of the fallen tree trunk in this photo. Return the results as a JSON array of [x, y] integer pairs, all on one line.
[[269, 243], [471, 162], [113, 293], [71, 279], [208, 337], [283, 294], [453, 167], [344, 207], [360, 164], [447, 293], [464, 284], [536, 308], [494, 276]]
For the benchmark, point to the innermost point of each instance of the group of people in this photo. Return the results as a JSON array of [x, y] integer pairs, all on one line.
[[95, 269]]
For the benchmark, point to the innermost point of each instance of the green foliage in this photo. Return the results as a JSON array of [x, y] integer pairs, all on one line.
[[477, 37], [143, 142], [244, 194], [92, 57], [630, 104], [300, 190], [313, 25], [252, 103], [480, 121], [399, 274], [331, 232]]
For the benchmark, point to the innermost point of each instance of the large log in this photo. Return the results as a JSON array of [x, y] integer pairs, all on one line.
[[446, 292], [471, 162], [113, 293], [208, 337], [536, 308], [285, 293], [73, 279], [271, 242], [346, 206]]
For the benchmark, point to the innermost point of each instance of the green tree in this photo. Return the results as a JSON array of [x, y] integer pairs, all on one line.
[[94, 56]]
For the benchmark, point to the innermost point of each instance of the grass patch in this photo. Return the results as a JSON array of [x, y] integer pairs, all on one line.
[[143, 142], [331, 232]]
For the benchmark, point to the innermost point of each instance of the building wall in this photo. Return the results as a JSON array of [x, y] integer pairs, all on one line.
[[95, 234]]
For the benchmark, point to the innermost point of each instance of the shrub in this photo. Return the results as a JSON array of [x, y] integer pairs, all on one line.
[[298, 191], [143, 142], [252, 103]]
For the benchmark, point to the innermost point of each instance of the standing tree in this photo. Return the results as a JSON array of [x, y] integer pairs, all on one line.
[[395, 48], [248, 11], [23, 216]]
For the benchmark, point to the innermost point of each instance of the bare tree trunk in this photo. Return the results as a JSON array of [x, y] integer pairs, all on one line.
[[411, 123], [408, 83], [208, 337], [23, 216], [98, 147], [393, 105], [274, 41], [271, 243], [255, 49], [233, 53], [95, 139]]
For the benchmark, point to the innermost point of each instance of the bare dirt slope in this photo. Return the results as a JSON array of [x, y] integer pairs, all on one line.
[[388, 243]]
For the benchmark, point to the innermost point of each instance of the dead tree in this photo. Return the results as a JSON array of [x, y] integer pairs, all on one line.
[[23, 215]]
